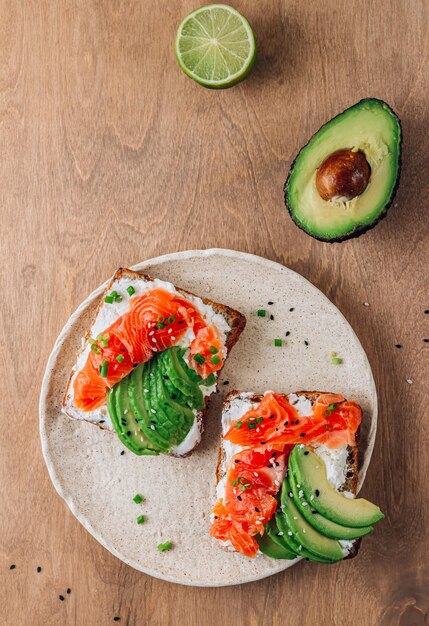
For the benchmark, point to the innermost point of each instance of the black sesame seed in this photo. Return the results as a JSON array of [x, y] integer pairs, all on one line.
[[398, 345], [306, 342], [276, 463], [296, 421], [262, 443], [426, 340], [274, 454], [12, 566], [135, 364], [426, 311], [128, 433], [61, 598], [271, 317], [317, 492], [122, 452], [226, 382], [68, 590], [306, 452], [38, 569], [180, 322], [287, 333], [270, 302], [314, 512], [117, 618], [302, 435], [256, 509], [292, 309], [285, 423], [239, 498], [101, 422], [272, 416], [237, 461], [215, 516]]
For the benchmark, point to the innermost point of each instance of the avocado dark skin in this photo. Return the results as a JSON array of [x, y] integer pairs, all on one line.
[[360, 229]]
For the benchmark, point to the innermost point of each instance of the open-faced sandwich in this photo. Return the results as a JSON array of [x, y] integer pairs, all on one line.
[[149, 362], [287, 477]]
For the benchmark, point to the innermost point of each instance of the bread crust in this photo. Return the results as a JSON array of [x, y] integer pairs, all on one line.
[[234, 318], [352, 475]]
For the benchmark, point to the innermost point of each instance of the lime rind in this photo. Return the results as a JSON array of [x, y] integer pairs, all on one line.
[[224, 64]]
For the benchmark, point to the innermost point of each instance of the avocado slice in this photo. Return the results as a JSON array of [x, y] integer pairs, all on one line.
[[304, 533], [179, 374], [320, 523], [171, 419], [272, 531], [330, 192], [291, 542], [125, 423], [139, 382], [309, 472], [273, 549]]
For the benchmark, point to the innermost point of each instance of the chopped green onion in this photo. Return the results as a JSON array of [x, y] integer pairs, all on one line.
[[213, 350], [95, 349], [131, 290], [161, 318], [114, 294], [120, 358], [258, 420], [333, 354], [239, 424], [332, 407], [336, 360], [103, 368], [160, 325], [199, 358], [104, 339], [277, 342], [215, 360], [164, 547], [91, 341], [171, 319], [118, 298], [251, 425], [140, 519], [262, 313], [138, 498], [108, 299]]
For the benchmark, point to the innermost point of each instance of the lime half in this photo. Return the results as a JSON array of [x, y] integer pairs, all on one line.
[[215, 46]]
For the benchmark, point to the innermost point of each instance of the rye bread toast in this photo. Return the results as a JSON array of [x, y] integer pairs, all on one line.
[[234, 319], [352, 469]]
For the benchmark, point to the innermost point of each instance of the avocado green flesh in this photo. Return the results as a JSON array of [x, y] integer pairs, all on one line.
[[370, 126], [125, 423], [304, 533], [272, 530], [154, 407], [273, 549], [318, 521], [291, 542], [310, 474]]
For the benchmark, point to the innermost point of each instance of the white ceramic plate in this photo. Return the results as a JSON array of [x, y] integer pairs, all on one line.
[[98, 483]]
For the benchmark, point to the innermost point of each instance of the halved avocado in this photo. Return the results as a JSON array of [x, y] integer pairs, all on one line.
[[307, 536], [343, 181], [310, 475], [318, 521]]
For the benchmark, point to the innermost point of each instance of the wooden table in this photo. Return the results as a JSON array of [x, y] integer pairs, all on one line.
[[110, 155]]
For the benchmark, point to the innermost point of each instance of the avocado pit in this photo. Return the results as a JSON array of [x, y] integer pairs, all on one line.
[[343, 175]]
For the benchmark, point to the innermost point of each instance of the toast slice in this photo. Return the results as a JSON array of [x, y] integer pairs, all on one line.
[[229, 322], [236, 403]]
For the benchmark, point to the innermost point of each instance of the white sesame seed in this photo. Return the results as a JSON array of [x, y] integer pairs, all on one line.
[[282, 506], [299, 486], [295, 517], [290, 494], [258, 429], [276, 482], [255, 474], [280, 534], [170, 330], [366, 304], [299, 547], [289, 533], [152, 411], [409, 381], [173, 338], [125, 411], [152, 332], [146, 390], [305, 503], [300, 493], [251, 419], [152, 426], [303, 530], [154, 339], [311, 497]]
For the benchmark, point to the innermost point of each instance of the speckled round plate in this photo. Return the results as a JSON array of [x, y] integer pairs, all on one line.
[[98, 483]]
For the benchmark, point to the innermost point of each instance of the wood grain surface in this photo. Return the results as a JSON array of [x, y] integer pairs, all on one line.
[[110, 155]]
